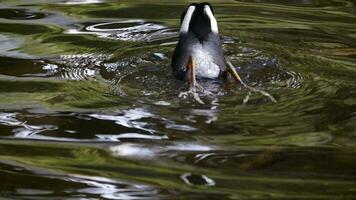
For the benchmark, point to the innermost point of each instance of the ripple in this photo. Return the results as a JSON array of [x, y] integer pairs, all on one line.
[[295, 81], [78, 2], [132, 125], [129, 119], [9, 47], [149, 151], [78, 74], [300, 147], [22, 128], [193, 179], [126, 127], [256, 68], [127, 30], [134, 151], [181, 127], [20, 14], [130, 136], [68, 186], [9, 119], [315, 3], [162, 103], [75, 67], [69, 73], [50, 68], [112, 189]]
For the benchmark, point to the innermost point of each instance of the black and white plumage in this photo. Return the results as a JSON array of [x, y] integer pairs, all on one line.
[[199, 53], [199, 45]]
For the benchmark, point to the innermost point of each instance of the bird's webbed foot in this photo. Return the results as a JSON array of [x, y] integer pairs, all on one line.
[[193, 92], [194, 87], [230, 71]]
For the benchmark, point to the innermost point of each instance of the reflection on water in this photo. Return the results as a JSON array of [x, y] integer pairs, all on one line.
[[127, 30], [19, 14], [141, 151], [75, 67], [191, 179], [89, 108], [22, 129], [129, 119], [75, 2], [73, 186], [7, 47], [112, 189]]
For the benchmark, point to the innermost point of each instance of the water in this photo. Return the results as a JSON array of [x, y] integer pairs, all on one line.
[[89, 108]]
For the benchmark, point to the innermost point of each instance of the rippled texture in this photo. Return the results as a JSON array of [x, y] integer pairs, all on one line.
[[89, 108]]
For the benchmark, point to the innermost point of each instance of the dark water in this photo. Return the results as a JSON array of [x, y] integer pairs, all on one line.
[[89, 108]]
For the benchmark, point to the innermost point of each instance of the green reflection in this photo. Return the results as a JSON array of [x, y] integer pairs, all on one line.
[[300, 147]]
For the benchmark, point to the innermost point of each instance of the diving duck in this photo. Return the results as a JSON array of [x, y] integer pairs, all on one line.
[[198, 52]]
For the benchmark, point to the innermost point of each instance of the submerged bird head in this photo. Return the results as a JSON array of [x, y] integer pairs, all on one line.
[[199, 21]]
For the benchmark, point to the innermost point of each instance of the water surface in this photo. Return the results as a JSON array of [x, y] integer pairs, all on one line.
[[89, 108]]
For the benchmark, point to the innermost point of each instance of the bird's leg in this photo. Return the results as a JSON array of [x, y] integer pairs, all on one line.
[[191, 72], [193, 85], [231, 70]]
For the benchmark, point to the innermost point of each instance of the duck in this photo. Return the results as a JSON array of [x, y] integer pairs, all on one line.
[[198, 53]]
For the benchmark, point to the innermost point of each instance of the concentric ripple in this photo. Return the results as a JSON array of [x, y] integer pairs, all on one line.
[[89, 108], [20, 14], [127, 30], [75, 67]]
